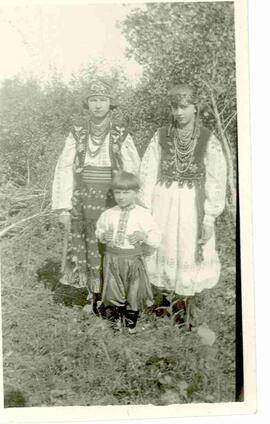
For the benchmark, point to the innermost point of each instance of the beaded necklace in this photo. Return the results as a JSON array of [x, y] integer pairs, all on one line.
[[184, 144], [98, 133]]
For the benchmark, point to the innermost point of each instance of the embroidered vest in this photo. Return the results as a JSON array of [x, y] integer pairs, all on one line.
[[117, 137], [168, 172], [193, 177]]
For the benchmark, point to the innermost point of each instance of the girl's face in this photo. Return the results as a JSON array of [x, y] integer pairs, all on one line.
[[124, 198], [99, 106], [183, 114]]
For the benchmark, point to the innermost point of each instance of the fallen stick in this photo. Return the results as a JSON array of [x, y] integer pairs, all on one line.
[[22, 221]]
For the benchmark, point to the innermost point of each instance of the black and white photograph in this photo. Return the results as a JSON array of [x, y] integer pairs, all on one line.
[[121, 218]]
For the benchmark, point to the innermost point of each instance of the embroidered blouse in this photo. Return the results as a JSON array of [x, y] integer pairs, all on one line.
[[125, 222], [64, 173], [215, 177]]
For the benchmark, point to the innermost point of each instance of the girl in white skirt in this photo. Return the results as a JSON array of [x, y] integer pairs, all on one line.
[[183, 175]]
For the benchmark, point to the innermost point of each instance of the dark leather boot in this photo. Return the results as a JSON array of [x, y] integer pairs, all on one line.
[[95, 299], [131, 318]]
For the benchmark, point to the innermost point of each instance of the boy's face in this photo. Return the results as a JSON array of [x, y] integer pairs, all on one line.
[[124, 198]]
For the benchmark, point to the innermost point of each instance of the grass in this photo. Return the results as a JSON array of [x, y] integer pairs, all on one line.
[[58, 355]]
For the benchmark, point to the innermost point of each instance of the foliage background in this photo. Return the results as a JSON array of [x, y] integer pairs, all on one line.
[[187, 42]]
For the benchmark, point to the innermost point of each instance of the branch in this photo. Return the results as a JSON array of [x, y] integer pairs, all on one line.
[[230, 119], [227, 151], [223, 110], [32, 196], [45, 191], [29, 218], [214, 67], [28, 171]]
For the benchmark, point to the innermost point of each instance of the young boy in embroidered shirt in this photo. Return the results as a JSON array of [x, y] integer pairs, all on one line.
[[126, 229]]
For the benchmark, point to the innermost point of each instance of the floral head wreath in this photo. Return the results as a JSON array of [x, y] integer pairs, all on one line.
[[100, 87], [182, 94]]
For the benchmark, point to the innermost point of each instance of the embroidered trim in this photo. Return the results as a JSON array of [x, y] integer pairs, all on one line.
[[188, 170], [117, 136], [122, 226], [81, 136]]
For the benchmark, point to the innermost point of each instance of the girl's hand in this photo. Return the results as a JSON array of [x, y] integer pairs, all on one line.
[[136, 237], [64, 219], [207, 233]]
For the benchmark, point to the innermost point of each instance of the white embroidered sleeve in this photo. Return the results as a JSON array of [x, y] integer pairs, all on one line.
[[149, 172], [131, 159], [151, 229], [215, 185], [62, 189], [102, 226]]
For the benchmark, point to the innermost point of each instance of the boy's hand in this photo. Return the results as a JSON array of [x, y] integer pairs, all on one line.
[[108, 236], [136, 237]]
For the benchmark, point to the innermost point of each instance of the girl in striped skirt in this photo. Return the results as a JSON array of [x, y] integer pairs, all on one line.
[[81, 191]]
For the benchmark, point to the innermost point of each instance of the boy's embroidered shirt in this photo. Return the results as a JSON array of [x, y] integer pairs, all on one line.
[[122, 226], [125, 222]]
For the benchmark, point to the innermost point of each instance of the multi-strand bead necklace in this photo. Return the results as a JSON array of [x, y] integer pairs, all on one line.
[[98, 133], [184, 141]]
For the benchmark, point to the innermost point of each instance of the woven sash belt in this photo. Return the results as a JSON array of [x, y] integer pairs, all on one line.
[[96, 174], [124, 252]]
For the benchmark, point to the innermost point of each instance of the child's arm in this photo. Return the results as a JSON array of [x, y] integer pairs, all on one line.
[[104, 231], [148, 233], [137, 237]]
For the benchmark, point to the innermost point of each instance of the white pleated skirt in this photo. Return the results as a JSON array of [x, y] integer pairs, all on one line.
[[173, 266]]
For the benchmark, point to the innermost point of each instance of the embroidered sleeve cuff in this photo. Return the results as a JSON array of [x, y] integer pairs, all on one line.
[[209, 220], [64, 212]]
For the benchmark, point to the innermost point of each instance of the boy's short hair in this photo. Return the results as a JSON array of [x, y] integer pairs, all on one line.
[[125, 181]]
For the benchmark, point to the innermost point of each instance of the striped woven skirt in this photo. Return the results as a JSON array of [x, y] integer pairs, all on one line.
[[126, 281], [84, 258]]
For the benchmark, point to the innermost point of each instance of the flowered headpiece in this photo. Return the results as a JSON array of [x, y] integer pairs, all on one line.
[[182, 94], [100, 87]]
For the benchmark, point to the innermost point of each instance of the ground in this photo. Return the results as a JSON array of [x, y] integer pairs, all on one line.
[[56, 355]]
